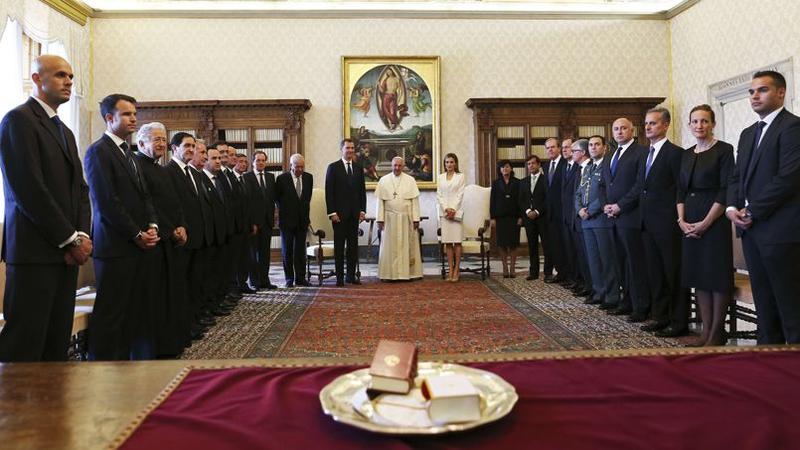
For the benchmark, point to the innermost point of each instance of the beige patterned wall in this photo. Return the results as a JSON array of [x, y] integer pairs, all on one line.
[[718, 39], [174, 59]]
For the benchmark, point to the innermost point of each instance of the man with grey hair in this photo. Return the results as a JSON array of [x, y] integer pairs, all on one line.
[[293, 198], [47, 219], [657, 183], [398, 216], [579, 156], [167, 277]]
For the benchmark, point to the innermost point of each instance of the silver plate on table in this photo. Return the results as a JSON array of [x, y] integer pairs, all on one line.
[[345, 400]]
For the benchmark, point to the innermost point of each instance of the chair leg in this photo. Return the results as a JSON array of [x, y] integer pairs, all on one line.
[[319, 262]]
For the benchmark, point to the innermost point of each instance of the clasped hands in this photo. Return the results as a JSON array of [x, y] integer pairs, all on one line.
[[78, 255], [179, 236], [741, 218], [693, 230], [612, 210], [147, 239]]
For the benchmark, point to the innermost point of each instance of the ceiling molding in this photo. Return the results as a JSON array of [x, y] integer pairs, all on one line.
[[357, 14], [680, 8], [355, 9], [73, 9]]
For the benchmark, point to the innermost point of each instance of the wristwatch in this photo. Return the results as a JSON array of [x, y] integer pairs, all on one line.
[[77, 242]]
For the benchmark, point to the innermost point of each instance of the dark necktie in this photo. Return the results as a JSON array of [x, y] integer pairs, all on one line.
[[649, 163], [217, 187], [349, 169], [129, 157], [614, 161], [261, 181], [298, 187], [189, 178], [60, 125], [551, 172], [756, 140]]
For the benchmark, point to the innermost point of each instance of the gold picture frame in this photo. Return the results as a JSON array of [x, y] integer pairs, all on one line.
[[391, 107]]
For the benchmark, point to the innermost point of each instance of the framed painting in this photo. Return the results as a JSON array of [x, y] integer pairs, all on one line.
[[391, 108]]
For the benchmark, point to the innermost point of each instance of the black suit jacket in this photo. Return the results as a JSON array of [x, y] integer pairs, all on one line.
[[218, 208], [261, 201], [568, 213], [191, 206], [658, 192], [46, 199], [293, 211], [122, 204], [345, 195], [620, 187], [165, 198], [536, 201], [554, 205], [238, 204], [771, 180]]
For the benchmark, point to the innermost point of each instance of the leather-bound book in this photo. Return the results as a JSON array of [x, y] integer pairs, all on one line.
[[394, 367]]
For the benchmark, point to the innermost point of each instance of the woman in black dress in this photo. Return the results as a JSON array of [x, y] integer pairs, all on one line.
[[506, 217], [707, 257]]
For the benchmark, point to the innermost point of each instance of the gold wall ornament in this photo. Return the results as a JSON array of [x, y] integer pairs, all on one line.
[[73, 9]]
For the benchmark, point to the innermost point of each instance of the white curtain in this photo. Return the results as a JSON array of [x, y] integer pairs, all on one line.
[[11, 93]]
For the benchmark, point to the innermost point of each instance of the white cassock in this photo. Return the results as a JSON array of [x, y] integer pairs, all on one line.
[[398, 209]]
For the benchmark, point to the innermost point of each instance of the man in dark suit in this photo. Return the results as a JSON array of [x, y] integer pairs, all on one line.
[[569, 253], [590, 198], [243, 264], [47, 216], [532, 192], [262, 207], [235, 263], [125, 228], [188, 257], [170, 306], [293, 197], [554, 174], [764, 204], [346, 201], [573, 223], [656, 186], [207, 162], [623, 210]]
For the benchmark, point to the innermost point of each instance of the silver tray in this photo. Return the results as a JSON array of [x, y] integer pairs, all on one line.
[[341, 399]]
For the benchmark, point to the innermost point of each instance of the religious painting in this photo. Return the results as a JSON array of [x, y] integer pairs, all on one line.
[[390, 109]]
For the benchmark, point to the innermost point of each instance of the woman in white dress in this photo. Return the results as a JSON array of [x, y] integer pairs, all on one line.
[[450, 192]]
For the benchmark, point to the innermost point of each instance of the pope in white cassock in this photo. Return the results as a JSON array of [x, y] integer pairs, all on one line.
[[398, 216]]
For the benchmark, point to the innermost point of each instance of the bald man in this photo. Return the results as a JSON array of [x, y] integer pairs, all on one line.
[[47, 218]]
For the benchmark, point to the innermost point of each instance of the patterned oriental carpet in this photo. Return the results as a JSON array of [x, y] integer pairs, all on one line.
[[496, 317]]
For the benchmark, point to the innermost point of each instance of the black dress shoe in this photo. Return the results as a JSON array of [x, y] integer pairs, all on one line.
[[339, 283], [289, 284], [605, 306], [583, 293], [197, 333], [532, 277], [592, 301], [270, 286], [549, 279], [620, 311], [637, 318], [303, 283], [672, 332], [655, 326], [247, 290]]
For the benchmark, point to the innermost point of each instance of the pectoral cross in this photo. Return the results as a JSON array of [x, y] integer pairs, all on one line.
[[395, 195]]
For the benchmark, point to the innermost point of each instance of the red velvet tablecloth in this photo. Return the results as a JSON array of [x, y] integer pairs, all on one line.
[[736, 401]]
